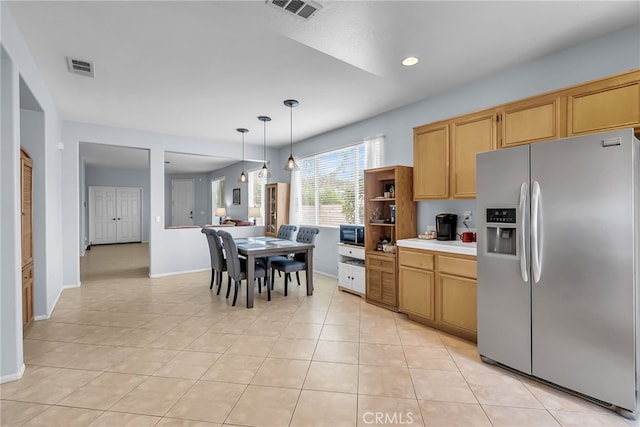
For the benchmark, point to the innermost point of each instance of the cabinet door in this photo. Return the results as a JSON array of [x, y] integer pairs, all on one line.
[[608, 104], [458, 302], [344, 275], [470, 135], [271, 211], [417, 292], [431, 162], [533, 120], [381, 280], [357, 279]]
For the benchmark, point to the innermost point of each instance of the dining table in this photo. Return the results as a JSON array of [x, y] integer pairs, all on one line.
[[254, 248]]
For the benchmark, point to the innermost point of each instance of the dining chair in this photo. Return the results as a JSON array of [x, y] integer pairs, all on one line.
[[299, 261], [286, 232], [237, 266], [218, 262]]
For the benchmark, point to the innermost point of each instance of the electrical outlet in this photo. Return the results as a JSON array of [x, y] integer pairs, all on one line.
[[467, 215]]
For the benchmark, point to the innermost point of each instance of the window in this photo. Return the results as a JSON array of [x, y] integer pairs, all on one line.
[[256, 192], [217, 196], [332, 184]]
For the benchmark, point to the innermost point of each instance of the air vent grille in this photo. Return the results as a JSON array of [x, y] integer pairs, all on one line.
[[80, 66], [302, 9]]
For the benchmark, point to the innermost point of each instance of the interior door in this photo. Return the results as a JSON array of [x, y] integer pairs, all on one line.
[[26, 181], [583, 325], [102, 215], [129, 215], [504, 292], [182, 201]]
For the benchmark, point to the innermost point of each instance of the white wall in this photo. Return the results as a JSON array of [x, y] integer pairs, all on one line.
[[18, 63]]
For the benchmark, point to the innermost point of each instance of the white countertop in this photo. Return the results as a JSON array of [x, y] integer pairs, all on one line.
[[451, 246]]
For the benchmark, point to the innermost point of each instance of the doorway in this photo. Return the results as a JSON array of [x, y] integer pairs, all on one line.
[[115, 215]]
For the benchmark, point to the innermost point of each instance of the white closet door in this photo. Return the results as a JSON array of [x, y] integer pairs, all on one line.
[[102, 215], [129, 208]]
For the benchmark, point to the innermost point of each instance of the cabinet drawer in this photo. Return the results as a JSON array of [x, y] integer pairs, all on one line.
[[416, 258], [351, 251], [458, 266], [381, 263]]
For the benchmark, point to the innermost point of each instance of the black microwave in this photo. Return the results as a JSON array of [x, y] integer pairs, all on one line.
[[352, 234]]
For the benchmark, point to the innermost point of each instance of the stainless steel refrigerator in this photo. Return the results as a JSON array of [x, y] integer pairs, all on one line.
[[558, 254]]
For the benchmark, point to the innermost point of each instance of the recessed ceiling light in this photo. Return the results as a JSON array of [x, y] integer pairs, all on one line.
[[410, 61]]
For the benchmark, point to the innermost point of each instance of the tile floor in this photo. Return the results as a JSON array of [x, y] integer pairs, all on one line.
[[126, 350]]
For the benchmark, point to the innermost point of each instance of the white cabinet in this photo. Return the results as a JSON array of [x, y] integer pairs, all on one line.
[[351, 272]]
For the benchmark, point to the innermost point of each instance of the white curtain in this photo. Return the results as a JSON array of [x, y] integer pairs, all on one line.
[[295, 202], [374, 151]]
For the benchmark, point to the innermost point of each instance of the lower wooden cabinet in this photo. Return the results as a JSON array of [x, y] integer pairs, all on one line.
[[417, 292], [458, 302], [381, 281], [439, 289]]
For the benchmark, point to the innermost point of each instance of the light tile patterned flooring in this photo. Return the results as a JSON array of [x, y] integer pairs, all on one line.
[[126, 350]]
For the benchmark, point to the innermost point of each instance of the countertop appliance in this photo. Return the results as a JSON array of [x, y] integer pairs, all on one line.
[[351, 234], [558, 278], [446, 226]]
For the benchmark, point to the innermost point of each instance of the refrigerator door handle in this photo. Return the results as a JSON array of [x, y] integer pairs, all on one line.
[[536, 263], [523, 241]]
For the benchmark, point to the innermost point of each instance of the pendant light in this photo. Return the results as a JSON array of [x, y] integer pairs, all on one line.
[[291, 162], [264, 172], [243, 176]]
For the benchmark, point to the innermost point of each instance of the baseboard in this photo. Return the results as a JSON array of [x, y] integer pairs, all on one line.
[[174, 273], [48, 315], [322, 273], [13, 377]]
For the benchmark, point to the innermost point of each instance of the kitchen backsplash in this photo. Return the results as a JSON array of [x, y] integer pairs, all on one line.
[[427, 212]]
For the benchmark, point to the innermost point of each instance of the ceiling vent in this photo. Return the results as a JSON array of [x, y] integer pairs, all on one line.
[[80, 66], [303, 9]]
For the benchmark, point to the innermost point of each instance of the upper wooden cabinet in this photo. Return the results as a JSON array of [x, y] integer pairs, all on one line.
[[470, 135], [532, 120], [431, 157], [445, 155], [612, 103]]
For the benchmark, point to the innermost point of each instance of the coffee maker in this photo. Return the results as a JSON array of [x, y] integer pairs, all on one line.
[[446, 226]]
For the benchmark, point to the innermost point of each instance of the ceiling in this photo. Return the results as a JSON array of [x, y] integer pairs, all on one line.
[[204, 68]]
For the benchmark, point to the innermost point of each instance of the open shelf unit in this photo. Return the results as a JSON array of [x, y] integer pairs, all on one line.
[[381, 267]]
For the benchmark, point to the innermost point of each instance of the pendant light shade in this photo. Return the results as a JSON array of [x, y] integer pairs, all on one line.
[[243, 176], [264, 172], [291, 164]]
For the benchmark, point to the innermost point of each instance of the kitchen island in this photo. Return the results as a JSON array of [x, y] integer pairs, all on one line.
[[437, 284]]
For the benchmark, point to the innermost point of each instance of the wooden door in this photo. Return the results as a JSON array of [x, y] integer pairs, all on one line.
[[128, 221], [470, 135], [533, 120], [431, 162], [26, 207]]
